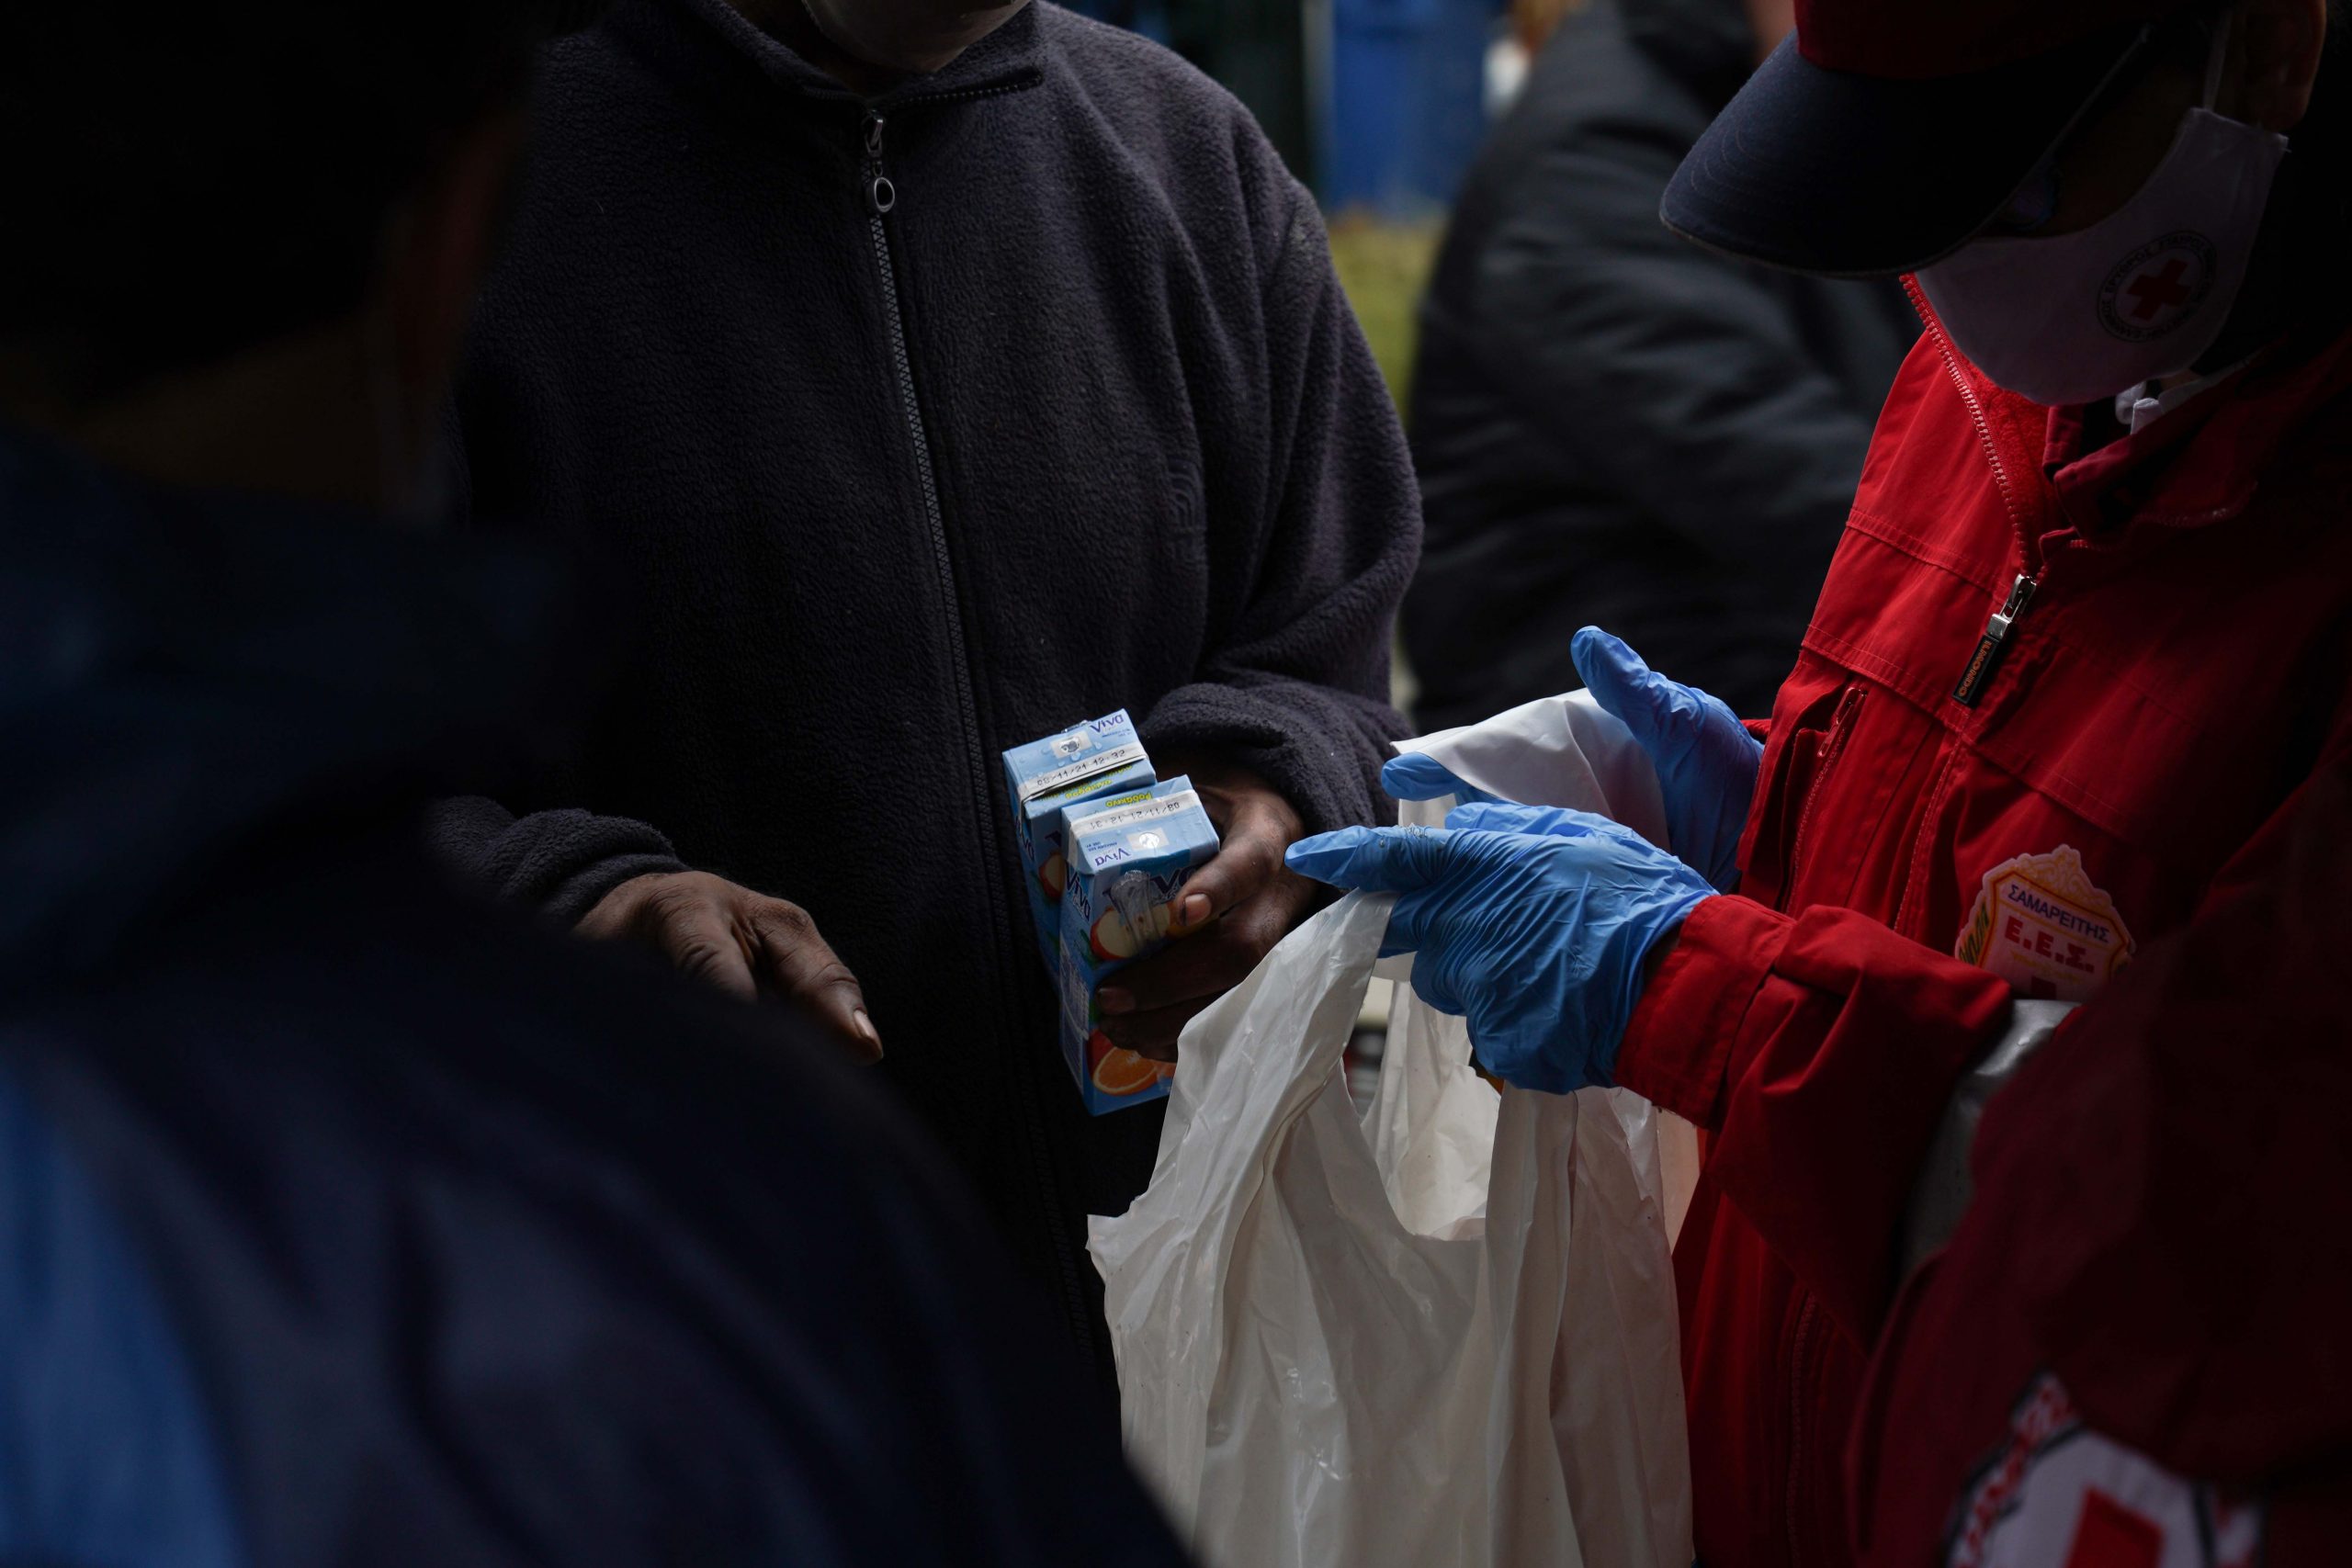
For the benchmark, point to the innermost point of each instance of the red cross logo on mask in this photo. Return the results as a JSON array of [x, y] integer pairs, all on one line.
[[2155, 291], [2158, 286]]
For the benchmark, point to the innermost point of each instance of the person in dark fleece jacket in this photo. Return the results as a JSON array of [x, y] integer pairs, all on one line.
[[1613, 427], [347, 1220], [933, 379]]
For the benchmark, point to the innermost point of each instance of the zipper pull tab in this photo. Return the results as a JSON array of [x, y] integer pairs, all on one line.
[[881, 195], [1987, 657]]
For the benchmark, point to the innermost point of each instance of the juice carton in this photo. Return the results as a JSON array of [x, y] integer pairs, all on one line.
[[1128, 862], [1101, 757]]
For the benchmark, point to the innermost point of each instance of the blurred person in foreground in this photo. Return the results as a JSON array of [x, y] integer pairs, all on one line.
[[347, 1221], [1611, 425], [936, 376], [2065, 763]]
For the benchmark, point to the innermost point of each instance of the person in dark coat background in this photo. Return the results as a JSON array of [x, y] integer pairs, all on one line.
[[1611, 426], [346, 1220], [934, 380]]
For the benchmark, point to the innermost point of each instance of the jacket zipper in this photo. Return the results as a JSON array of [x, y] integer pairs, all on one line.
[[1982, 665], [1841, 725], [881, 199], [1986, 661]]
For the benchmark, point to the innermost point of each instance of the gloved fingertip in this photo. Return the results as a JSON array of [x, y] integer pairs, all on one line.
[[1593, 649], [1415, 775], [1384, 860], [1349, 858], [1616, 676], [1312, 856]]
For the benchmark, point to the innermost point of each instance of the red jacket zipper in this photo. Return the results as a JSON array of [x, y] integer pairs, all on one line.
[[1985, 662]]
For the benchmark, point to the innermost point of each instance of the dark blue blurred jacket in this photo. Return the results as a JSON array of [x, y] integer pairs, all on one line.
[[1610, 424], [345, 1221]]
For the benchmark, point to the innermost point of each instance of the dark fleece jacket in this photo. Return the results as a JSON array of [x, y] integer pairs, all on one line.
[[1080, 422]]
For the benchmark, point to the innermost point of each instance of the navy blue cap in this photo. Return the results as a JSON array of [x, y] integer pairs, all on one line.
[[1845, 174]]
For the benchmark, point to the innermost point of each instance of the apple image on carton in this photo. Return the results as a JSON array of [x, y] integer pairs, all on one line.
[[1054, 875], [1114, 942]]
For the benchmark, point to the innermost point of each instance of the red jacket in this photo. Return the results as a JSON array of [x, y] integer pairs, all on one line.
[[2164, 1378], [1915, 850]]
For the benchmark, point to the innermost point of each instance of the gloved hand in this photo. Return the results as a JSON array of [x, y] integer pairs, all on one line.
[[1706, 763], [1412, 775], [1534, 923]]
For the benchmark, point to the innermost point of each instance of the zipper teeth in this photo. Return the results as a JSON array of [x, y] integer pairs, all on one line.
[[1029, 1109], [903, 364], [1951, 356]]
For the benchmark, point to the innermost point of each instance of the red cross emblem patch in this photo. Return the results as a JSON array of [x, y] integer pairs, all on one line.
[[2057, 1494], [2158, 286]]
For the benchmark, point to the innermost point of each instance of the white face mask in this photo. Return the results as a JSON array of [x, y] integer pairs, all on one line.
[[2138, 294]]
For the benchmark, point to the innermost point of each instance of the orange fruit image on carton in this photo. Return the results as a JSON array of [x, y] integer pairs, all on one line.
[[1119, 1072], [1128, 858]]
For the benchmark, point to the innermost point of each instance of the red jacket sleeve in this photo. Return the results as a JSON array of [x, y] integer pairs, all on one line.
[[1820, 1051]]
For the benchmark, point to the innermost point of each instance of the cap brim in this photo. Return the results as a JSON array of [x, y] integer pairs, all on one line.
[[1847, 175]]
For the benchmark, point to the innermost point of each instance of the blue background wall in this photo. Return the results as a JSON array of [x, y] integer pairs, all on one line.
[[1375, 102]]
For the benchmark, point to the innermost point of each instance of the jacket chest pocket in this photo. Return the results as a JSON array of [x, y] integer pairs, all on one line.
[[1838, 797], [1798, 766]]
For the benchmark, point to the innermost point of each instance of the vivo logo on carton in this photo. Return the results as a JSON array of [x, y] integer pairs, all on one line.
[[1144, 845]]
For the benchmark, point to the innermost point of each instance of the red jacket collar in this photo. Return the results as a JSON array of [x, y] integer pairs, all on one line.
[[2201, 464]]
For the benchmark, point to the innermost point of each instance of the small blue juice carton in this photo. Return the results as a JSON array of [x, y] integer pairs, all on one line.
[[1101, 757], [1129, 859]]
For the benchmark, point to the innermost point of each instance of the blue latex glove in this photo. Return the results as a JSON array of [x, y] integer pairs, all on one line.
[[1534, 923], [1706, 763], [1413, 776]]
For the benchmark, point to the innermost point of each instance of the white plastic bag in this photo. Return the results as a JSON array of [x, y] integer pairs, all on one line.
[[1440, 1332], [1566, 750]]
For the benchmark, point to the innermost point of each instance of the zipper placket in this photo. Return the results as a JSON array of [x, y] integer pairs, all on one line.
[[881, 199], [1986, 661]]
